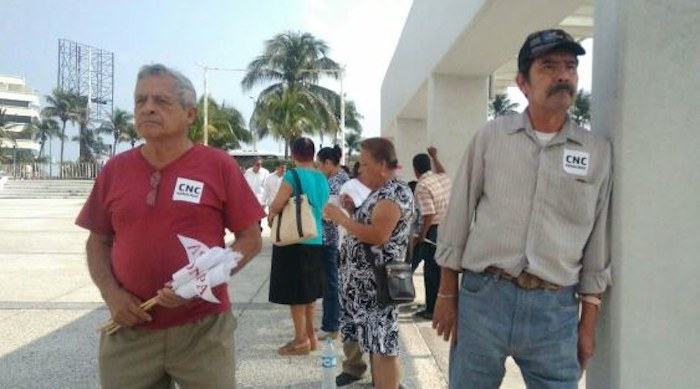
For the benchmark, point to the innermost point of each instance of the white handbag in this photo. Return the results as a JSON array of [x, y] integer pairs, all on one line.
[[296, 222]]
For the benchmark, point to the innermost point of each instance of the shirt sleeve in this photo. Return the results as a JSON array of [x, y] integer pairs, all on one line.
[[424, 199], [466, 191], [595, 274], [94, 215]]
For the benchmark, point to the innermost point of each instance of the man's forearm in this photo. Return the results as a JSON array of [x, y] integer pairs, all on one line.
[[449, 282], [248, 242], [425, 224], [99, 261], [589, 316]]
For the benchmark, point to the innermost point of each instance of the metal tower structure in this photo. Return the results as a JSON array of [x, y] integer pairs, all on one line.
[[89, 72]]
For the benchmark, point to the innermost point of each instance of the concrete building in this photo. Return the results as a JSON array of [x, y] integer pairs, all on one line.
[[20, 104], [646, 86]]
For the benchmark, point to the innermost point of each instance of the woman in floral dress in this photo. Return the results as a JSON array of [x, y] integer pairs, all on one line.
[[383, 223]]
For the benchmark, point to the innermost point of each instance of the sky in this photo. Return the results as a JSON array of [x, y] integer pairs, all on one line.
[[361, 34]]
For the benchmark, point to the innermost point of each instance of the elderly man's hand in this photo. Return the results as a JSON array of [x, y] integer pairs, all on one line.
[[445, 318], [125, 308], [169, 299]]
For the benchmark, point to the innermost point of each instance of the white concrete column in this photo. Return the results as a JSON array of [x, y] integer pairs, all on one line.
[[457, 107], [646, 91], [409, 140]]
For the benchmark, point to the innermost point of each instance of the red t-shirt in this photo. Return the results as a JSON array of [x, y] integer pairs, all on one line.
[[199, 194]]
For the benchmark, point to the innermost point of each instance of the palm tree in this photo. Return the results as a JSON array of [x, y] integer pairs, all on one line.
[[64, 105], [581, 110], [3, 123], [116, 125], [225, 124], [285, 114], [352, 142], [92, 145], [293, 62], [43, 130], [130, 135], [501, 105]]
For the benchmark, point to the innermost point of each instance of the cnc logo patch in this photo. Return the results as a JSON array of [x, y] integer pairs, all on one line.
[[188, 190], [576, 162]]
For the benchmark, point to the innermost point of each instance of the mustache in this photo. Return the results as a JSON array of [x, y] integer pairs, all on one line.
[[564, 86]]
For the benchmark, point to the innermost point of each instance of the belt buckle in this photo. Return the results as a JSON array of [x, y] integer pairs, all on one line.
[[528, 281]]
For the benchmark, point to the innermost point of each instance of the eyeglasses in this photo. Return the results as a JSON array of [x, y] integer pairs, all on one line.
[[153, 193]]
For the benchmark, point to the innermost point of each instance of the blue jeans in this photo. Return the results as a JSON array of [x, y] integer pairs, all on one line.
[[431, 270], [331, 298], [538, 328]]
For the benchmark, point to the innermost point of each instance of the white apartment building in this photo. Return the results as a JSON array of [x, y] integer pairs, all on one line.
[[20, 104]]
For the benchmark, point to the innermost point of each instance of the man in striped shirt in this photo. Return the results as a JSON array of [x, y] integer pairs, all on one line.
[[432, 195], [528, 230]]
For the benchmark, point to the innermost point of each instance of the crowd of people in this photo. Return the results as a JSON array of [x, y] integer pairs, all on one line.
[[518, 267]]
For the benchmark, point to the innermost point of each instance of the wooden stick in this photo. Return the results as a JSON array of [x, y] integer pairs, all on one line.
[[111, 327]]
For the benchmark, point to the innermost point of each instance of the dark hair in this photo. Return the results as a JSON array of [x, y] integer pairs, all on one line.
[[356, 169], [303, 149], [332, 154], [381, 150], [412, 185], [346, 169], [279, 162], [421, 163]]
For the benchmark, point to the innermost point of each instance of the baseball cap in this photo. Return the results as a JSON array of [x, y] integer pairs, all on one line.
[[542, 42]]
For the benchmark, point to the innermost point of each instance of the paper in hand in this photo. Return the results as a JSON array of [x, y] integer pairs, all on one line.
[[207, 268]]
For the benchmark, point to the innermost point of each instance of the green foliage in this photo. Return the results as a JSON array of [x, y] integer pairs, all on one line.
[[285, 114], [43, 130], [66, 106], [226, 126], [501, 105], [581, 110], [130, 136], [293, 103], [120, 123]]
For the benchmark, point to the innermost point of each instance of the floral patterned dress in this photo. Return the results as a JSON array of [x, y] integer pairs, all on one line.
[[362, 319]]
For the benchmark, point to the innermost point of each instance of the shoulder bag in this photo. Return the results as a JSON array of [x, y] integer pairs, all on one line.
[[296, 221], [394, 281]]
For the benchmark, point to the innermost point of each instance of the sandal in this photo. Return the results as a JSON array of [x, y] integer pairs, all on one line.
[[292, 349]]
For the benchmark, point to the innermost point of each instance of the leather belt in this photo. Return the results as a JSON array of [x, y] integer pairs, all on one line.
[[525, 280]]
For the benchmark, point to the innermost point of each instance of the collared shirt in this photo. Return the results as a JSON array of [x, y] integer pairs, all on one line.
[[520, 205], [255, 180], [270, 187], [433, 194]]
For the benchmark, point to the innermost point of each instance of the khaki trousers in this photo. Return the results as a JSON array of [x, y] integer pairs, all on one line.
[[197, 355]]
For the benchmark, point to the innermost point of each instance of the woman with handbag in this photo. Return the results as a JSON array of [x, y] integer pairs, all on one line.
[[382, 222], [296, 273]]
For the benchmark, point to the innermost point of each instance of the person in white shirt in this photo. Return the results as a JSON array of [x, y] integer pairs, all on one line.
[[256, 175], [273, 181]]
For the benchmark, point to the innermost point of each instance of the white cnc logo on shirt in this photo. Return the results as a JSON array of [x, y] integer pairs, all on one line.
[[188, 190], [576, 162]]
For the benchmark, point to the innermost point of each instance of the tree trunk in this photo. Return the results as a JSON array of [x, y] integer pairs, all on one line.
[[63, 136]]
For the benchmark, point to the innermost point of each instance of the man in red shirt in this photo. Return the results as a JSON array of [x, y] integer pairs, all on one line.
[[142, 200]]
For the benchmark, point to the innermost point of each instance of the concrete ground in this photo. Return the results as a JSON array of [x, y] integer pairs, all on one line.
[[49, 310]]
